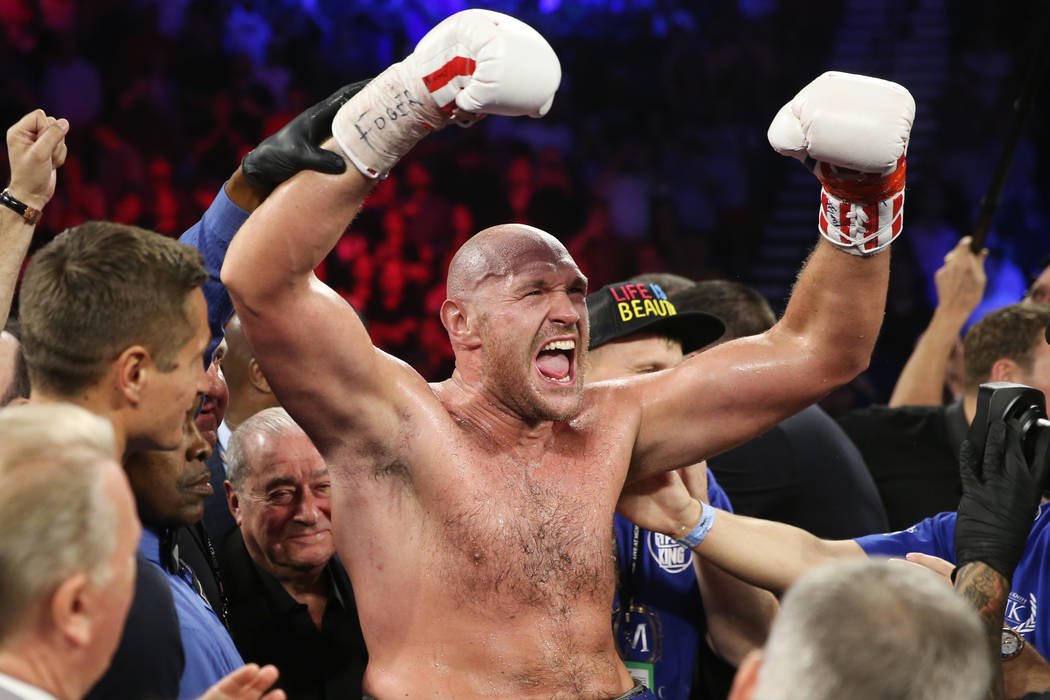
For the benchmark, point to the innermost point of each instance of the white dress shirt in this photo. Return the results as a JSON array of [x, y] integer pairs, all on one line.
[[21, 689], [223, 439]]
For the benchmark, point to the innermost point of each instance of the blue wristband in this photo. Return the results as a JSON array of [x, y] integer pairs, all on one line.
[[698, 533]]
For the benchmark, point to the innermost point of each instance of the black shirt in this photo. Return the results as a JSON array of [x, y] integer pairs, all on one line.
[[804, 472], [912, 453], [270, 627]]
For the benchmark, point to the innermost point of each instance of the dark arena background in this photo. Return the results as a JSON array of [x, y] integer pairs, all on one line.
[[653, 158]]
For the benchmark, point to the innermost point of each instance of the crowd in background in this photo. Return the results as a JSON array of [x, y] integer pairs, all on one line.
[[660, 166], [653, 159]]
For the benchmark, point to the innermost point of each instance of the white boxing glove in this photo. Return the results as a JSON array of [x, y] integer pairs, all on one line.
[[473, 63], [852, 131]]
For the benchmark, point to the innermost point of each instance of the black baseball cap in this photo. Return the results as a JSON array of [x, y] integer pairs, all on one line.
[[625, 308]]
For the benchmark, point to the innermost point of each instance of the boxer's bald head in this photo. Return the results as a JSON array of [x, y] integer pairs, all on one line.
[[498, 252], [512, 290]]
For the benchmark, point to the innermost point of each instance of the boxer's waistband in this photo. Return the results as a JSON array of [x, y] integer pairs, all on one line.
[[638, 692]]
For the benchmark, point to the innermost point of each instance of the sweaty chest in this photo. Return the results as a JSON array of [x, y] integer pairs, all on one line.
[[527, 534]]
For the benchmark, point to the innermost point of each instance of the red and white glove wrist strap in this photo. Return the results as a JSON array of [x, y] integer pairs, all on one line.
[[862, 216], [386, 119]]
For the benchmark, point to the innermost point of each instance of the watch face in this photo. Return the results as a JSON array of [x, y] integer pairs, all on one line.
[[1012, 643]]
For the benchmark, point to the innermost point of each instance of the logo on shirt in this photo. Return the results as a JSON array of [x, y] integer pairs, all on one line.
[[668, 554], [1021, 613], [638, 634]]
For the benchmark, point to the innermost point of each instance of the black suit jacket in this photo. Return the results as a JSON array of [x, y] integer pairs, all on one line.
[[149, 661], [804, 471], [217, 517], [193, 540]]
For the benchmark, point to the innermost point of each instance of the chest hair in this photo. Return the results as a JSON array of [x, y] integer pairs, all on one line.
[[519, 539]]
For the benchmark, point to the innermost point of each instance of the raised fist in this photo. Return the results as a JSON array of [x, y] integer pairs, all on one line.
[[484, 62], [852, 131], [475, 62]]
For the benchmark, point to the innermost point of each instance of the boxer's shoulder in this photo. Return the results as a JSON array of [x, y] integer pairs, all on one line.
[[612, 402]]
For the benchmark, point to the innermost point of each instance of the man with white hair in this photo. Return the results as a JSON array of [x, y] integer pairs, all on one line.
[[869, 629], [67, 553], [291, 603], [67, 550]]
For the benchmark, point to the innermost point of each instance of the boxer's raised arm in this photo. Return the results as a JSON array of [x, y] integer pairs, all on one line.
[[314, 350], [738, 390], [294, 148], [316, 353], [853, 132]]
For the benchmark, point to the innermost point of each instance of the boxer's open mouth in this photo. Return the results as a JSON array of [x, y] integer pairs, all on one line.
[[555, 361]]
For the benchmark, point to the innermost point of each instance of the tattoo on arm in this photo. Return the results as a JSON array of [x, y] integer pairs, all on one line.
[[987, 590]]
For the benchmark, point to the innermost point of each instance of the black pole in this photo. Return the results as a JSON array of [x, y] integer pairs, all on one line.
[[1021, 106]]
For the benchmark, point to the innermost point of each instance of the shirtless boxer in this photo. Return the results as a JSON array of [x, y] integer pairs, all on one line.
[[474, 514]]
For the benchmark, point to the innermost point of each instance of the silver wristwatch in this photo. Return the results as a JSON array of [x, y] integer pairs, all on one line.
[[1012, 644]]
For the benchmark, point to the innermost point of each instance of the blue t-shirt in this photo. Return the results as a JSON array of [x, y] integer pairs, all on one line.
[[657, 636], [210, 653], [211, 236], [936, 536]]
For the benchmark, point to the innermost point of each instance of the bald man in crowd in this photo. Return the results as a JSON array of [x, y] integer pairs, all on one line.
[[170, 488], [249, 390], [486, 500]]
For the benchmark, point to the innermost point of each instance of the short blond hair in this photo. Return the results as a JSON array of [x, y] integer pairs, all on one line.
[[56, 518]]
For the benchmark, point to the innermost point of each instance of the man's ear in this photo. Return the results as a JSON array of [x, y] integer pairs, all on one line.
[[1005, 370], [460, 330], [232, 501], [257, 378], [133, 370], [72, 609], [746, 677]]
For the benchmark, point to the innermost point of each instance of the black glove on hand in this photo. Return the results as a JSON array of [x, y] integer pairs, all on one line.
[[297, 145], [1000, 497]]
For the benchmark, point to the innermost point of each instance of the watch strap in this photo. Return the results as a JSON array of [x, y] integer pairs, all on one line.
[[27, 212]]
